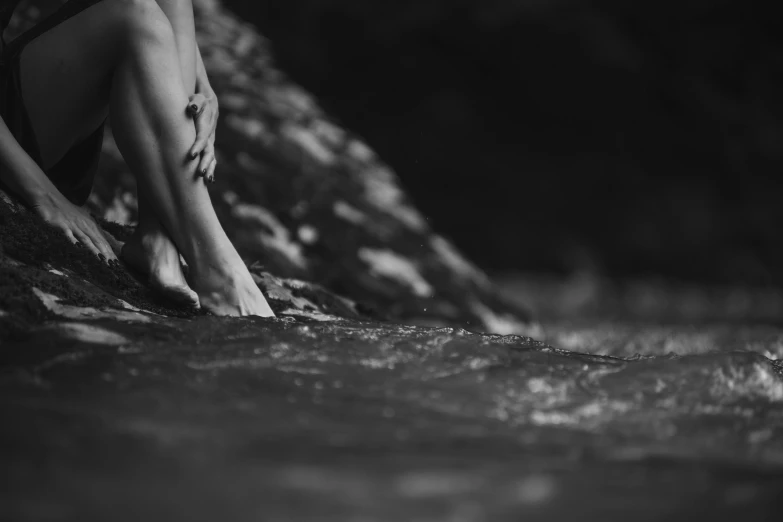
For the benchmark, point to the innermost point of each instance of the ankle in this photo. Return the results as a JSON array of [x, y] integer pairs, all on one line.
[[213, 273], [145, 232]]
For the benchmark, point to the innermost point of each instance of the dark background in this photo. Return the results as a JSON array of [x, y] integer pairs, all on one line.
[[621, 138]]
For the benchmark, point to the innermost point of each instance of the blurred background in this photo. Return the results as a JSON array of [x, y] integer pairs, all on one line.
[[618, 139]]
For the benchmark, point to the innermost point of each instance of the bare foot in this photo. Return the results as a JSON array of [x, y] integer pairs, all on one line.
[[153, 254], [234, 293]]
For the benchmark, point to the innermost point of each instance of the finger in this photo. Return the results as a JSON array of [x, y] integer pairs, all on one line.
[[70, 236], [103, 246], [91, 228], [206, 160], [203, 132], [210, 176], [196, 104], [85, 240], [115, 245]]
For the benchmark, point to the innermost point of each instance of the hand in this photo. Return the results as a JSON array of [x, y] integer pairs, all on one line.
[[76, 223], [205, 111]]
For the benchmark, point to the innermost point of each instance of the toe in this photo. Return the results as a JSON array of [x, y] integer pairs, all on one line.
[[185, 296], [182, 295]]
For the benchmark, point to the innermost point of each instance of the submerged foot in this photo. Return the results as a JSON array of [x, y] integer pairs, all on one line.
[[153, 254], [230, 290], [225, 286]]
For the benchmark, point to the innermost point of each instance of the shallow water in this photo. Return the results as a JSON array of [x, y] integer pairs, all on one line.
[[289, 419]]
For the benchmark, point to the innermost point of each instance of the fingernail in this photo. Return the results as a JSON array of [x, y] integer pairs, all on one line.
[[203, 172], [102, 257], [194, 107], [193, 154]]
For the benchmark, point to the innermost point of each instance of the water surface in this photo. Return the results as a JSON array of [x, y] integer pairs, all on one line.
[[292, 419]]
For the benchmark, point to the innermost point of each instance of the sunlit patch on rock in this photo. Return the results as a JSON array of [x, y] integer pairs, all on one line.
[[321, 305], [329, 133], [119, 210], [461, 266], [52, 303], [307, 234], [345, 211], [251, 128], [392, 265], [309, 142], [89, 333], [271, 232], [502, 324], [382, 192]]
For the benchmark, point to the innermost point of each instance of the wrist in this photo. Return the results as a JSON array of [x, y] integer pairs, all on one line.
[[34, 189], [202, 80], [203, 87], [40, 196]]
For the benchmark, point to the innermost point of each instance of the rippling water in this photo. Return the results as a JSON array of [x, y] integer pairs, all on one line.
[[220, 419]]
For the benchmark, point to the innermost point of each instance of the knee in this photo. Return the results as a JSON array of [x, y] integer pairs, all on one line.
[[143, 22]]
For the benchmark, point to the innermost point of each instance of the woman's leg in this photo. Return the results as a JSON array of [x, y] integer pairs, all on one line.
[[68, 50], [151, 250], [121, 54]]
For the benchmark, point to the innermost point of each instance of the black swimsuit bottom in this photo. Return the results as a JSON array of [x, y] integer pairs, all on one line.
[[74, 173]]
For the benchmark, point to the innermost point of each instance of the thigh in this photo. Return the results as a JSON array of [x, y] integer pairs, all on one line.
[[180, 15], [65, 75]]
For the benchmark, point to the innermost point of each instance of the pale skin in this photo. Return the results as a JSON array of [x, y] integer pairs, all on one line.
[[136, 61]]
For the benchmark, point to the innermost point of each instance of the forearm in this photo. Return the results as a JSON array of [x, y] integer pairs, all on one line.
[[20, 173]]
